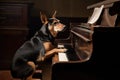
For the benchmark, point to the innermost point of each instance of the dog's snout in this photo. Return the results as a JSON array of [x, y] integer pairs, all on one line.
[[64, 26]]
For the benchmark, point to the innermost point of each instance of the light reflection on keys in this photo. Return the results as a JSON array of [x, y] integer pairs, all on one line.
[[62, 56]]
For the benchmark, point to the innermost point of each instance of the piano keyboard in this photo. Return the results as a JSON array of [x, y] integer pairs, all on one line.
[[62, 57], [69, 55]]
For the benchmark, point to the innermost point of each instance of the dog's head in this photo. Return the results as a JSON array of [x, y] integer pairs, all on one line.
[[53, 24]]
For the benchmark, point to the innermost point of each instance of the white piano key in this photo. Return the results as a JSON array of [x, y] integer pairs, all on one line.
[[60, 46], [62, 57]]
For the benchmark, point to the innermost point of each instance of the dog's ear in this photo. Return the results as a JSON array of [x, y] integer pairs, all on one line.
[[54, 15], [43, 18]]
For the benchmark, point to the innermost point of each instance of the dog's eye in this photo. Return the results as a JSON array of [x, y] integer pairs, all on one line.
[[56, 23]]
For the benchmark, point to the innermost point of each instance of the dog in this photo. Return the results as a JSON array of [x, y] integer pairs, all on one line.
[[40, 47]]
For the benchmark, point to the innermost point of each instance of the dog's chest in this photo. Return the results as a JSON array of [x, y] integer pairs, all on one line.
[[48, 46]]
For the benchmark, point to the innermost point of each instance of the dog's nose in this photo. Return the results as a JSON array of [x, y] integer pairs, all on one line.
[[64, 25], [64, 28]]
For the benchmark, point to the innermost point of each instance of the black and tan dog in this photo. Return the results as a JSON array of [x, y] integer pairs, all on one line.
[[37, 49]]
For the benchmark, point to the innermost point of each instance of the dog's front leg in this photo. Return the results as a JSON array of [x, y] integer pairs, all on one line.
[[53, 51]]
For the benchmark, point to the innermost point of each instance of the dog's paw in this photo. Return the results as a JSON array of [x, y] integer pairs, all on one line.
[[60, 50]]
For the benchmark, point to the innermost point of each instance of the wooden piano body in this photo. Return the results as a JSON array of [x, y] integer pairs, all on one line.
[[99, 56]]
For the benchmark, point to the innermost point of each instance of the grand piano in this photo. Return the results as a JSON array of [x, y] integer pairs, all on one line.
[[95, 59], [93, 54]]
